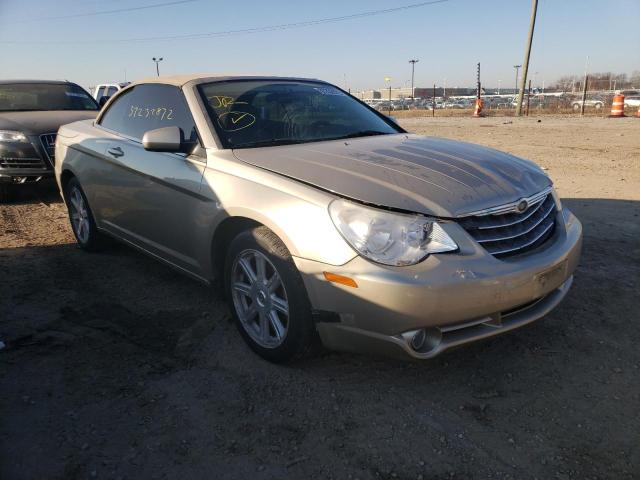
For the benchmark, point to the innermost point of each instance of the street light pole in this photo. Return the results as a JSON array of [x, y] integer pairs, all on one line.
[[517, 67], [413, 67], [157, 60], [388, 80]]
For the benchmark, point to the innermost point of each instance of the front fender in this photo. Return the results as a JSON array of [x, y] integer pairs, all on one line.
[[296, 212]]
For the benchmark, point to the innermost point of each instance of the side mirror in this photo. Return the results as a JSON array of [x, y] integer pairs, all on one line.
[[103, 100], [165, 139]]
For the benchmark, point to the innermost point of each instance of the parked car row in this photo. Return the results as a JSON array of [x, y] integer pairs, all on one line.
[[633, 101], [597, 102], [422, 104], [322, 218]]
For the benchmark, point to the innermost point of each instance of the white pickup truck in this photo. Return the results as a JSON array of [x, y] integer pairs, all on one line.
[[107, 90]]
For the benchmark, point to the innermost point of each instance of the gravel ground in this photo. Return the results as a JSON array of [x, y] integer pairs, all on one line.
[[117, 367]]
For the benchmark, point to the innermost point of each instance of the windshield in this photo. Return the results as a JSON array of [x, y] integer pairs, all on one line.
[[25, 97], [265, 113]]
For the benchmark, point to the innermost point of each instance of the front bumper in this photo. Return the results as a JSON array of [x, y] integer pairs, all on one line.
[[459, 297], [24, 162], [18, 177]]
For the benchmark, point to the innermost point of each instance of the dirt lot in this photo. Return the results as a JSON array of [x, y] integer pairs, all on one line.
[[116, 367]]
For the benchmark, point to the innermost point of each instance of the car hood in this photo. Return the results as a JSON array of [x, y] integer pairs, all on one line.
[[429, 175], [37, 123]]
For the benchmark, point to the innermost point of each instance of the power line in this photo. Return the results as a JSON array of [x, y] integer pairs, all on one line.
[[105, 12], [244, 31]]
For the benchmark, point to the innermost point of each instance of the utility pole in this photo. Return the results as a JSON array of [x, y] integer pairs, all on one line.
[[413, 68], [433, 101], [584, 88], [157, 60], [527, 53], [388, 80], [584, 94], [478, 79]]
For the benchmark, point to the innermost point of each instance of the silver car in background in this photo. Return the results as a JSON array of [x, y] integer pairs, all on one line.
[[319, 216]]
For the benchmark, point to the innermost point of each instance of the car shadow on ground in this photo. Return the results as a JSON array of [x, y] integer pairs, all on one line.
[[113, 356], [121, 262], [44, 191]]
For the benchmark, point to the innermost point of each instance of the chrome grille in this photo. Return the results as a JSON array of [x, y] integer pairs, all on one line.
[[48, 141], [513, 233], [28, 163]]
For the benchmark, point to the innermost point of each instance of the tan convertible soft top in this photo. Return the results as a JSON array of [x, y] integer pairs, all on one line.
[[180, 80]]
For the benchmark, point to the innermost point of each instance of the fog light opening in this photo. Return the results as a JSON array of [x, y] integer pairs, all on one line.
[[418, 339], [425, 339]]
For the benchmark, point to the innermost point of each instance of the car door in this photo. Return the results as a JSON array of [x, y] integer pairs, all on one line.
[[151, 199]]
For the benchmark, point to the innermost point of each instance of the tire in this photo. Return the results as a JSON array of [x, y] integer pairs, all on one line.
[[87, 235], [255, 294], [598, 106], [576, 106]]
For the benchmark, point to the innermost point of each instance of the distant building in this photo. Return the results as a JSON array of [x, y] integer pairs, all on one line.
[[420, 92]]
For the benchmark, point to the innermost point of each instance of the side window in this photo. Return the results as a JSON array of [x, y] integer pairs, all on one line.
[[147, 107], [100, 93], [111, 91]]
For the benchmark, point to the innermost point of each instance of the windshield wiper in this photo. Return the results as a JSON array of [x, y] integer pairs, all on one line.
[[274, 142], [361, 133]]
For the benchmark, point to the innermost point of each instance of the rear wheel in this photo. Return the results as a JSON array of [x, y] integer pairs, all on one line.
[[267, 297], [82, 221]]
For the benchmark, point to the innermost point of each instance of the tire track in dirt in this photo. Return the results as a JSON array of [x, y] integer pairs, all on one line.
[[12, 225]]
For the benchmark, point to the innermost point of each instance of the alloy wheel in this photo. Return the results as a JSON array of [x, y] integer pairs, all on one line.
[[259, 298], [79, 215]]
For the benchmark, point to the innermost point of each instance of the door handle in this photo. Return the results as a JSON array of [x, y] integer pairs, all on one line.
[[115, 152]]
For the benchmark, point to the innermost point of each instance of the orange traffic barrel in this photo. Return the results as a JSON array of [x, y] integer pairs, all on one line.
[[638, 113], [478, 110], [617, 106]]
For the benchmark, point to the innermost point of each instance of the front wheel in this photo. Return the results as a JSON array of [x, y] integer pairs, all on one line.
[[269, 302], [82, 221]]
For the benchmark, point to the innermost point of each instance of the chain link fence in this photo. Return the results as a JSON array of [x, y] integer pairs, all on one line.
[[596, 102]]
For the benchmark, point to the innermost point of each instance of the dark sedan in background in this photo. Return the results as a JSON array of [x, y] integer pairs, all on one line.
[[31, 111]]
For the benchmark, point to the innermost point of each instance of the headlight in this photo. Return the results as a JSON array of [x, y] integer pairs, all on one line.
[[387, 237], [8, 136]]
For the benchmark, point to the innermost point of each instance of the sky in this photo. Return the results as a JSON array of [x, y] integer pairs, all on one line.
[[62, 39]]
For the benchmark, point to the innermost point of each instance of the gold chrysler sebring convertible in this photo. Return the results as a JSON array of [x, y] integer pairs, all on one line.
[[319, 216]]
